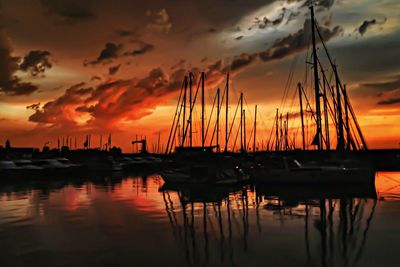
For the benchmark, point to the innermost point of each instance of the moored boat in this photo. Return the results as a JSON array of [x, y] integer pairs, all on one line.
[[285, 170]]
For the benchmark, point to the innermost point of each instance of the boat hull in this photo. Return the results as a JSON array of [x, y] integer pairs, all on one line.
[[316, 176]]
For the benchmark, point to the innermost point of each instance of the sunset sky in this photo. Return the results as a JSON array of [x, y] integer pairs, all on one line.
[[73, 67]]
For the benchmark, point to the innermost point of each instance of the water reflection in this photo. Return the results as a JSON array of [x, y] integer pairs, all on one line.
[[125, 220]]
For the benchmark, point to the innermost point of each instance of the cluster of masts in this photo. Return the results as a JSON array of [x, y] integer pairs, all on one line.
[[181, 134], [69, 142], [335, 114], [336, 107]]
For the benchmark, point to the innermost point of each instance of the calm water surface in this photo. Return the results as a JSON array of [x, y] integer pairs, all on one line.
[[135, 221]]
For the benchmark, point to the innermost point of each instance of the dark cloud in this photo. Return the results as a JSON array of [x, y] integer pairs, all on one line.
[[36, 62], [362, 29], [299, 41], [144, 48], [34, 107], [70, 10], [114, 69], [10, 84], [390, 101], [240, 62], [126, 33], [109, 52], [384, 86], [265, 22]]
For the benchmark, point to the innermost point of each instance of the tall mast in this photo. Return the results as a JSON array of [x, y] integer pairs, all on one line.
[[241, 122], [281, 132], [325, 101], [218, 111], [302, 117], [287, 131], [244, 131], [226, 112], [316, 83], [340, 137], [184, 111], [346, 112], [191, 107], [202, 110], [277, 130], [255, 129]]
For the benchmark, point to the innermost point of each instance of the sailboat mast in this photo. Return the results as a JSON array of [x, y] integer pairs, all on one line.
[[184, 111], [325, 101], [340, 137], [241, 122], [190, 105], [255, 129], [316, 83], [276, 131], [202, 110], [226, 112], [244, 131], [346, 112], [287, 131], [302, 117], [218, 111]]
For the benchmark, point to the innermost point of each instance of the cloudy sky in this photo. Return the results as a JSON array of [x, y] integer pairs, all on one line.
[[71, 67]]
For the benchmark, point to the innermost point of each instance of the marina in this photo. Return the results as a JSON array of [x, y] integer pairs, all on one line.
[[201, 134]]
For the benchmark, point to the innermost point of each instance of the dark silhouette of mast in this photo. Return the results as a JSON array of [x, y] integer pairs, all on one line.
[[218, 111], [287, 131], [255, 129], [184, 111], [277, 131], [302, 117], [244, 131], [340, 137], [318, 136], [191, 103], [346, 112], [241, 122], [325, 99], [202, 110], [226, 112]]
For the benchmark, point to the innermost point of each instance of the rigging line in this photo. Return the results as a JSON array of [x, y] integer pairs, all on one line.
[[292, 66], [191, 110], [176, 129], [342, 90], [219, 106], [312, 113], [237, 134], [173, 122], [212, 111], [233, 121]]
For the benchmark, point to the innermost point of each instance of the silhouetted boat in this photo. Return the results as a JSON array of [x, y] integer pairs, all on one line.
[[203, 174], [139, 162], [317, 191], [285, 170]]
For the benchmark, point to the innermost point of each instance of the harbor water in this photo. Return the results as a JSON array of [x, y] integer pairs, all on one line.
[[137, 221]]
